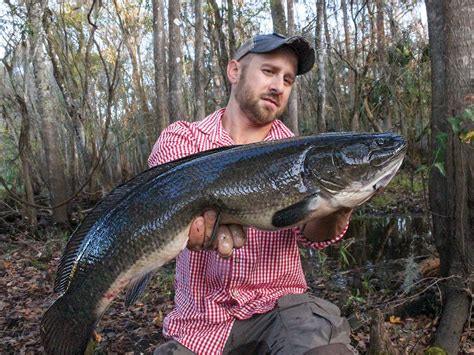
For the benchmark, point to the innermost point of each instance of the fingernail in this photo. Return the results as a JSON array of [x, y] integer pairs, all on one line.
[[199, 225], [223, 236], [226, 256], [211, 214]]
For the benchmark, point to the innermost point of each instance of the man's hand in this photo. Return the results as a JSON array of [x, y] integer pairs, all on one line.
[[328, 227], [229, 236]]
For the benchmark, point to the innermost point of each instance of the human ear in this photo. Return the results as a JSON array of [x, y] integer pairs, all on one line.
[[233, 71]]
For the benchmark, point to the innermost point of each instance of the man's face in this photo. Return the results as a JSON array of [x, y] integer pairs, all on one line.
[[265, 84]]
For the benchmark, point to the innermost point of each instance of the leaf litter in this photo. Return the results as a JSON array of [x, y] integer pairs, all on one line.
[[28, 267]]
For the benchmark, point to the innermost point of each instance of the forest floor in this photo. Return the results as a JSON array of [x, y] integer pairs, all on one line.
[[405, 317]]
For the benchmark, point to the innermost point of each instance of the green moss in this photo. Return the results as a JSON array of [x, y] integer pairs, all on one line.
[[38, 264], [404, 182], [382, 200], [435, 350]]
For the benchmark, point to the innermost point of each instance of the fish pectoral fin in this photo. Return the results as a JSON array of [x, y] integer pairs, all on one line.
[[294, 214], [136, 288]]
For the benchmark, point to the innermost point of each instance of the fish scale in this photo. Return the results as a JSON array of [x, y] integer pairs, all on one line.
[[144, 223]]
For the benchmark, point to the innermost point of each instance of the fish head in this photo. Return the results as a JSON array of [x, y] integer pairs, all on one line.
[[347, 171]]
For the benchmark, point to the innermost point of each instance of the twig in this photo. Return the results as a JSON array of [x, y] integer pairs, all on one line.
[[396, 298], [89, 15], [8, 206], [112, 84], [10, 225], [6, 214]]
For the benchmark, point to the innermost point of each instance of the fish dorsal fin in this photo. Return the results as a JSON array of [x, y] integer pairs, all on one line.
[[79, 238], [136, 288]]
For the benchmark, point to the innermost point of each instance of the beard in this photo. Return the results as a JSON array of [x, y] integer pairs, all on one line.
[[251, 103]]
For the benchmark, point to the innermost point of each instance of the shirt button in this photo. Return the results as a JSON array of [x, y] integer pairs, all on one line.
[[237, 259]]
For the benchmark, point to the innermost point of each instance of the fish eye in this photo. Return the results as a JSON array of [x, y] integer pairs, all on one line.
[[379, 142]]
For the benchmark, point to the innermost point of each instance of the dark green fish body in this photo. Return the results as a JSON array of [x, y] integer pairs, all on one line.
[[144, 223]]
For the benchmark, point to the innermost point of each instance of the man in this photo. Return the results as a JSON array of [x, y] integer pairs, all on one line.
[[250, 294]]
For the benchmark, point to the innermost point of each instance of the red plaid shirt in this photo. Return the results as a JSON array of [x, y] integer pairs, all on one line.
[[211, 292]]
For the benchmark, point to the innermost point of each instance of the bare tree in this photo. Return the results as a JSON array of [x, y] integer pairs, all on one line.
[[175, 97], [159, 59], [347, 55], [231, 25], [345, 21], [54, 168], [24, 146], [129, 15], [293, 101], [199, 98], [384, 113], [320, 58], [451, 25], [218, 36], [279, 26], [73, 88], [278, 16]]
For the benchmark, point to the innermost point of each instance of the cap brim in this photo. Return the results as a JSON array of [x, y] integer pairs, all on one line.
[[301, 47], [304, 53]]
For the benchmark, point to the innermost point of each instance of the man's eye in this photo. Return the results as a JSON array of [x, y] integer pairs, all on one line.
[[267, 71]]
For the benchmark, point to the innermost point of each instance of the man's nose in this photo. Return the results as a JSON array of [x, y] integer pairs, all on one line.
[[276, 85]]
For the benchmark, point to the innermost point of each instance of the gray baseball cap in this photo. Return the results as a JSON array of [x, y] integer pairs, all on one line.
[[269, 42]]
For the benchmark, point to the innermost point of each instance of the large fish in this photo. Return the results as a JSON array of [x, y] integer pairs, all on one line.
[[144, 223]]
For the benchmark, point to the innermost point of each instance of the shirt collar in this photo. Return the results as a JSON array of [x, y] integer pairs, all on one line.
[[212, 126]]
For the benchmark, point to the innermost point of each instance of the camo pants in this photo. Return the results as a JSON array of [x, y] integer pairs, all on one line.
[[299, 324]]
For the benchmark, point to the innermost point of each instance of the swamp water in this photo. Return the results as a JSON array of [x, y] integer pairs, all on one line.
[[378, 255]]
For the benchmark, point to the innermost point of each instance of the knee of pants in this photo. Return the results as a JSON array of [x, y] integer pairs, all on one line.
[[172, 347]]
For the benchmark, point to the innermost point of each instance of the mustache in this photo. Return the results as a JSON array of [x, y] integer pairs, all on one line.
[[273, 97]]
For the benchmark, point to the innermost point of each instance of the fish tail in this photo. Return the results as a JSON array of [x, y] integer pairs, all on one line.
[[65, 330]]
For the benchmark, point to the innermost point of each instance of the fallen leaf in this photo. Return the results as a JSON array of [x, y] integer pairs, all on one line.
[[395, 320], [97, 337], [467, 137], [158, 320]]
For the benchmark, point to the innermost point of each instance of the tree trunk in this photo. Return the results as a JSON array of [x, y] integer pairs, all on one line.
[[159, 56], [347, 33], [278, 16], [49, 121], [380, 30], [279, 26], [382, 72], [128, 16], [70, 90], [175, 98], [199, 98], [29, 212], [451, 25], [24, 148], [219, 39], [348, 57], [139, 89], [320, 57], [438, 183], [231, 25], [293, 101], [379, 338]]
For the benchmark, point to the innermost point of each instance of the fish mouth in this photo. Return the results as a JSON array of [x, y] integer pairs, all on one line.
[[383, 157], [358, 194], [386, 178]]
